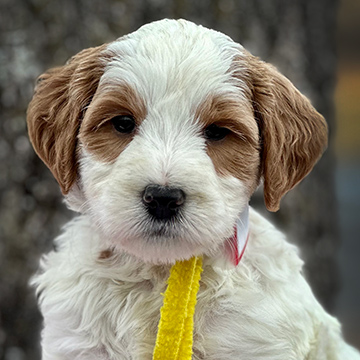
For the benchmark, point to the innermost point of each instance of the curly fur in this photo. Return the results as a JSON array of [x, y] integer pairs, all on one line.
[[100, 291]]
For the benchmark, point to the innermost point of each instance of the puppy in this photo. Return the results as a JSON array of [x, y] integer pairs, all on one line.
[[158, 140]]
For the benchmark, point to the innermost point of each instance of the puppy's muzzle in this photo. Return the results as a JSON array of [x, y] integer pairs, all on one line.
[[163, 202]]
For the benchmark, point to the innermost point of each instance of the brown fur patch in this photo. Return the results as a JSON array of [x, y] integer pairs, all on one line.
[[54, 114], [106, 254], [97, 133], [293, 133], [237, 154]]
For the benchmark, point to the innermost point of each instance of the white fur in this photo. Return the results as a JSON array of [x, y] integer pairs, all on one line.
[[108, 309], [263, 309], [169, 149]]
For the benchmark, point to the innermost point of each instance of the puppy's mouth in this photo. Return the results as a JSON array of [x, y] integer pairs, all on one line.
[[163, 228]]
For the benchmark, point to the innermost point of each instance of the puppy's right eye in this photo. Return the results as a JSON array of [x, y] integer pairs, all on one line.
[[124, 124], [215, 133]]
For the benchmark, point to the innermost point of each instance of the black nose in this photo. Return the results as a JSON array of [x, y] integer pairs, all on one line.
[[163, 202]]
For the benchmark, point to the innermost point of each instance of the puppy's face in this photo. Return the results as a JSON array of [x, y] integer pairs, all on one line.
[[162, 136]]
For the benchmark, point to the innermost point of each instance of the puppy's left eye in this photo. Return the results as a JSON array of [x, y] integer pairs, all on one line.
[[215, 133], [124, 124]]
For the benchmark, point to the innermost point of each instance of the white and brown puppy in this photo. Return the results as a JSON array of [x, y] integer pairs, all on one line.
[[158, 140]]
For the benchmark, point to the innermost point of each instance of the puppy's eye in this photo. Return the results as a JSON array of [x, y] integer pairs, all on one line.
[[215, 133], [124, 124]]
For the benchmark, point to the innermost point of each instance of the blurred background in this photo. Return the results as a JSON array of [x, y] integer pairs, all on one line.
[[316, 43]]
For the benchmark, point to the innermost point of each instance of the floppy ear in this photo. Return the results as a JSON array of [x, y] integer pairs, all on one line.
[[292, 132], [54, 114]]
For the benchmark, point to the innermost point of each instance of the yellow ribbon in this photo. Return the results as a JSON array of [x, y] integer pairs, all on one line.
[[174, 339]]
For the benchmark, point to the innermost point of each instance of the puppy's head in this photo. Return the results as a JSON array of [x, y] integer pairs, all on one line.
[[162, 136]]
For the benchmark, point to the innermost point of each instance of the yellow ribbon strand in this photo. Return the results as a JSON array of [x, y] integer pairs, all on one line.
[[174, 339]]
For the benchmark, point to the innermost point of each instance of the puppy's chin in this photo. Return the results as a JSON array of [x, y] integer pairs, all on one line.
[[159, 249], [162, 255], [167, 242]]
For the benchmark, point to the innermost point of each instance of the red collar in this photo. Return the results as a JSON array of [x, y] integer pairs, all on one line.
[[236, 245]]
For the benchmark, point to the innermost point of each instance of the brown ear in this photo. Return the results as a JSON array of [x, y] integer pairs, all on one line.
[[292, 132], [55, 112]]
